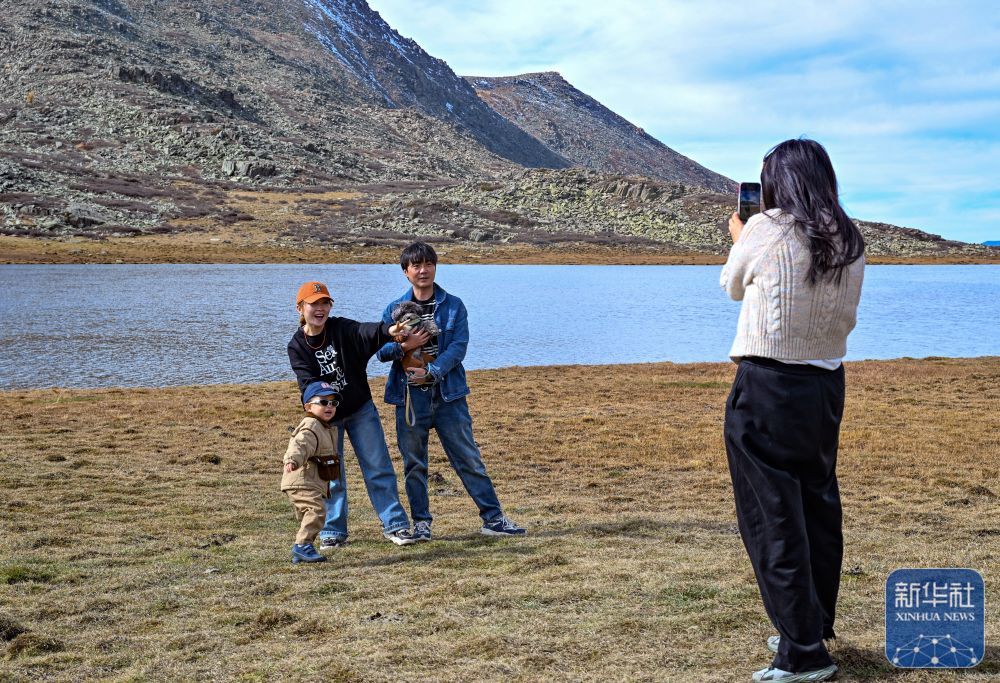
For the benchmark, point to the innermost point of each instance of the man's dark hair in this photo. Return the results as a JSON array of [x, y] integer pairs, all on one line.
[[418, 252]]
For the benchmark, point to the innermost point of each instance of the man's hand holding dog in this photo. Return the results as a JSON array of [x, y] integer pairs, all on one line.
[[417, 375]]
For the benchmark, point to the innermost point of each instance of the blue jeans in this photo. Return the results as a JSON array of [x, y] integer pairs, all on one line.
[[364, 429], [453, 424]]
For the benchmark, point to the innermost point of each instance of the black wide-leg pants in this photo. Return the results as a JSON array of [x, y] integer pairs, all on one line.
[[781, 431]]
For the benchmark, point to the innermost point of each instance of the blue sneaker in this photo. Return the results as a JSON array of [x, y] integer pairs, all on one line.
[[501, 526], [305, 553], [421, 531]]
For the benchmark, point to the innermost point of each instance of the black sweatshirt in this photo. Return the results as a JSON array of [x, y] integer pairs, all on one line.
[[338, 356]]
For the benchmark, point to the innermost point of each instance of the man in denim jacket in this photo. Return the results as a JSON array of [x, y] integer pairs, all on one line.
[[434, 397]]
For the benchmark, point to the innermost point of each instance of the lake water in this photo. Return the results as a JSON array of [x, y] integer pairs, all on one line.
[[159, 325]]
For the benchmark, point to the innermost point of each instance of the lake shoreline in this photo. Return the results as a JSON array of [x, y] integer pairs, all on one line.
[[378, 381], [231, 248]]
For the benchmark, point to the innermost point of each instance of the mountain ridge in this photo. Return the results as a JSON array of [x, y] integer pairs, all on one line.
[[126, 118], [586, 132]]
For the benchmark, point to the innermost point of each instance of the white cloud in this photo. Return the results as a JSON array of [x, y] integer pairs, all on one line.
[[905, 95]]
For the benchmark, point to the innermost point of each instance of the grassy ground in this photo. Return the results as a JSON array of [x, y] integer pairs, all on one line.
[[144, 538], [251, 245], [246, 245]]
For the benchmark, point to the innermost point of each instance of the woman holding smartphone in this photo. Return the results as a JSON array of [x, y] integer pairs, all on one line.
[[797, 267]]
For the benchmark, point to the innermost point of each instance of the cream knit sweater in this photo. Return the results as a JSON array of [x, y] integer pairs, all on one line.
[[783, 315]]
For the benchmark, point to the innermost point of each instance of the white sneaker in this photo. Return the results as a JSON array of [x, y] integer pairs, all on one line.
[[772, 674], [400, 537]]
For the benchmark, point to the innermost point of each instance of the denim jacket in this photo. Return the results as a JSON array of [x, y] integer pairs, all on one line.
[[453, 321]]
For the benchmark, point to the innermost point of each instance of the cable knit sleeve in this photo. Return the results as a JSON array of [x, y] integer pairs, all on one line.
[[738, 272]]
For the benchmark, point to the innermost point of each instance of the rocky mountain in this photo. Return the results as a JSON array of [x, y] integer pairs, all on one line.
[[306, 122], [403, 75], [586, 132], [100, 95], [275, 63]]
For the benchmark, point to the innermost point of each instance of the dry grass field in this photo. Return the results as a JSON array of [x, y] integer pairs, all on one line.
[[227, 244], [252, 245], [144, 536]]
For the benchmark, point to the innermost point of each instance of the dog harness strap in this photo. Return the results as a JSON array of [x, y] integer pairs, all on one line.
[[409, 412]]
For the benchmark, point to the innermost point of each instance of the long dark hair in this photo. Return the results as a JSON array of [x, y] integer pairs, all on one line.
[[798, 178]]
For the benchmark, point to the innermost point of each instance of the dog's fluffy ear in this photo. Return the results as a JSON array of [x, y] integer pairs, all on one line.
[[403, 309], [409, 310]]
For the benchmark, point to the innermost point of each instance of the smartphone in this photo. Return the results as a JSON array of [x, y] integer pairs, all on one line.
[[749, 200]]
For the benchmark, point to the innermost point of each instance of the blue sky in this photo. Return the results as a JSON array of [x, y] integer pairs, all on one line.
[[904, 95]]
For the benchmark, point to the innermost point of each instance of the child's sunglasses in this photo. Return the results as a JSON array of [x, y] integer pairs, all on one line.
[[325, 402]]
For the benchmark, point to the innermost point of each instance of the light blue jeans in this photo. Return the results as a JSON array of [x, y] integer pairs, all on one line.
[[453, 424], [364, 429]]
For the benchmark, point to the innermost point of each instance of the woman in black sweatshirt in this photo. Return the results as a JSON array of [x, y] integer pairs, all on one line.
[[336, 350]]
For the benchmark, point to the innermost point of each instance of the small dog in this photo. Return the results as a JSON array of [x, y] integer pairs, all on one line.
[[408, 314]]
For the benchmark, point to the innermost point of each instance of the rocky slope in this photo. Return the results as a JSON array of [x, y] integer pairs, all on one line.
[[163, 99], [586, 132], [303, 122], [569, 207]]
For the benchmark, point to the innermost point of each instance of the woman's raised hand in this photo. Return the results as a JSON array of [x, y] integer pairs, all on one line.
[[735, 226], [414, 340]]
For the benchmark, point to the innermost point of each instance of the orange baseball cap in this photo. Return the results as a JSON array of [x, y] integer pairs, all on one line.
[[312, 292]]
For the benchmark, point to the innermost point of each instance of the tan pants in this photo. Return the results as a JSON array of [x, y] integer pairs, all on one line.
[[310, 510]]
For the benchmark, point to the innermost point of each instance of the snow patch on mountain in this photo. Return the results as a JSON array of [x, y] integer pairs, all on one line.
[[358, 66]]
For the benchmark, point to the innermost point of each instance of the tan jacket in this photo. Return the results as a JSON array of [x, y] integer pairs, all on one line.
[[312, 438]]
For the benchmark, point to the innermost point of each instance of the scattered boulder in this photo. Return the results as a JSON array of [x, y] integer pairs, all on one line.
[[628, 188], [249, 169], [83, 215], [228, 97]]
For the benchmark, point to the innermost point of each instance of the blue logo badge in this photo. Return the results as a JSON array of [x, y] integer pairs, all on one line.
[[935, 618]]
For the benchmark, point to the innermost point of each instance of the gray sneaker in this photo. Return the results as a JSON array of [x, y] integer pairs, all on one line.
[[400, 537], [422, 531], [332, 542], [772, 674], [772, 643]]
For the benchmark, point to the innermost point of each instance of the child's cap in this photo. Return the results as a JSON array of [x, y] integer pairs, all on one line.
[[311, 292], [315, 389]]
